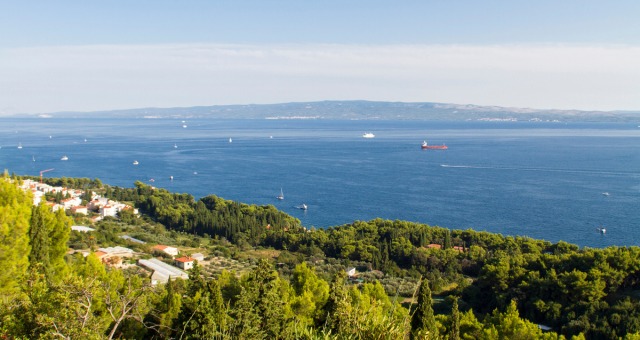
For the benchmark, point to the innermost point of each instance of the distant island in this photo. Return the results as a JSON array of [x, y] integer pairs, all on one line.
[[360, 110]]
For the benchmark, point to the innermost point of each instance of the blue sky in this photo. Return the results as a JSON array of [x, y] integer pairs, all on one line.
[[98, 55]]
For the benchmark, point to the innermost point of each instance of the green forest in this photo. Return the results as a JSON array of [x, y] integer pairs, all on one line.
[[467, 284]]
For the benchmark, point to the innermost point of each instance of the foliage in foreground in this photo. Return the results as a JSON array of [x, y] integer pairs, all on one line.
[[588, 291]]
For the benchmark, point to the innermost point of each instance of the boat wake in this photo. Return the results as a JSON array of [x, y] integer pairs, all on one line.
[[595, 172]]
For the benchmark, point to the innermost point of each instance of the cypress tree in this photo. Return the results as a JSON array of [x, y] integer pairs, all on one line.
[[447, 240], [39, 239], [423, 320], [454, 334]]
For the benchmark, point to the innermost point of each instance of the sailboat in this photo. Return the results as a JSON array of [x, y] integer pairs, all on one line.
[[175, 146], [281, 196], [230, 140], [19, 145]]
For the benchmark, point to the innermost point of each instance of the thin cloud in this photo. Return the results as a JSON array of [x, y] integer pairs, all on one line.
[[96, 77]]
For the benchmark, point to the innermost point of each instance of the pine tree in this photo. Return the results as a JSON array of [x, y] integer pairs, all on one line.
[[59, 230], [15, 213], [48, 235], [423, 320], [338, 307], [269, 301]]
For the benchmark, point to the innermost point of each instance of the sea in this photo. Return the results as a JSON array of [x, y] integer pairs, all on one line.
[[546, 180]]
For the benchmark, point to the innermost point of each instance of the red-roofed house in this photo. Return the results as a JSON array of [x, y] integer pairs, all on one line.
[[100, 254], [185, 262]]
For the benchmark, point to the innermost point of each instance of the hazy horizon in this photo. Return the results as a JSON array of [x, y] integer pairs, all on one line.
[[94, 56]]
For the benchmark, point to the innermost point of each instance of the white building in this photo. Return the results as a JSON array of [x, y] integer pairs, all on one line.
[[185, 262], [166, 249], [197, 256], [81, 228], [162, 272], [80, 209], [108, 210], [67, 203], [117, 251], [132, 239], [351, 272]]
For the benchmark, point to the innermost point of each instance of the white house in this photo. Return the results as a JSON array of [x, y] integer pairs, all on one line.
[[97, 203], [185, 262], [351, 271], [108, 210], [197, 256], [71, 202], [80, 209]]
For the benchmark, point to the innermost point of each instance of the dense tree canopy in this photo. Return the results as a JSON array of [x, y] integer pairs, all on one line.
[[493, 287]]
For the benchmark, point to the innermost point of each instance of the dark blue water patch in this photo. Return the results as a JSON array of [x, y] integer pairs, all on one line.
[[541, 180]]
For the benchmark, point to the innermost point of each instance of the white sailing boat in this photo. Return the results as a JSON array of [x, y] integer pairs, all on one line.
[[19, 145], [281, 196]]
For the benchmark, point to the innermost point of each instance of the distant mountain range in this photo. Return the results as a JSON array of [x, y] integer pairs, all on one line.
[[362, 110]]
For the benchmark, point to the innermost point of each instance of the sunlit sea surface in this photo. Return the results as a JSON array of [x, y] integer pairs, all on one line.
[[551, 181]]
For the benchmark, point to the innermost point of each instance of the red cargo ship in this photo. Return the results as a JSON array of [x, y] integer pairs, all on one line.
[[425, 146]]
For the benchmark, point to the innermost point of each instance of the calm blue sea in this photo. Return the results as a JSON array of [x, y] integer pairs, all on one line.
[[544, 180]]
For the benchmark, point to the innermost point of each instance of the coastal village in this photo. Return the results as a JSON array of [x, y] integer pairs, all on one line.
[[159, 262], [99, 208]]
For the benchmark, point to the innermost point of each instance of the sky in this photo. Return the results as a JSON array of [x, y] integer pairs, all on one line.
[[103, 55]]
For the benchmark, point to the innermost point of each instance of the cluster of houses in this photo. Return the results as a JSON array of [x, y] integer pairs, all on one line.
[[102, 206], [161, 272], [113, 256]]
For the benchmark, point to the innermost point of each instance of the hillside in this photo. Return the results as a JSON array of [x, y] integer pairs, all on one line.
[[362, 110], [263, 275]]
